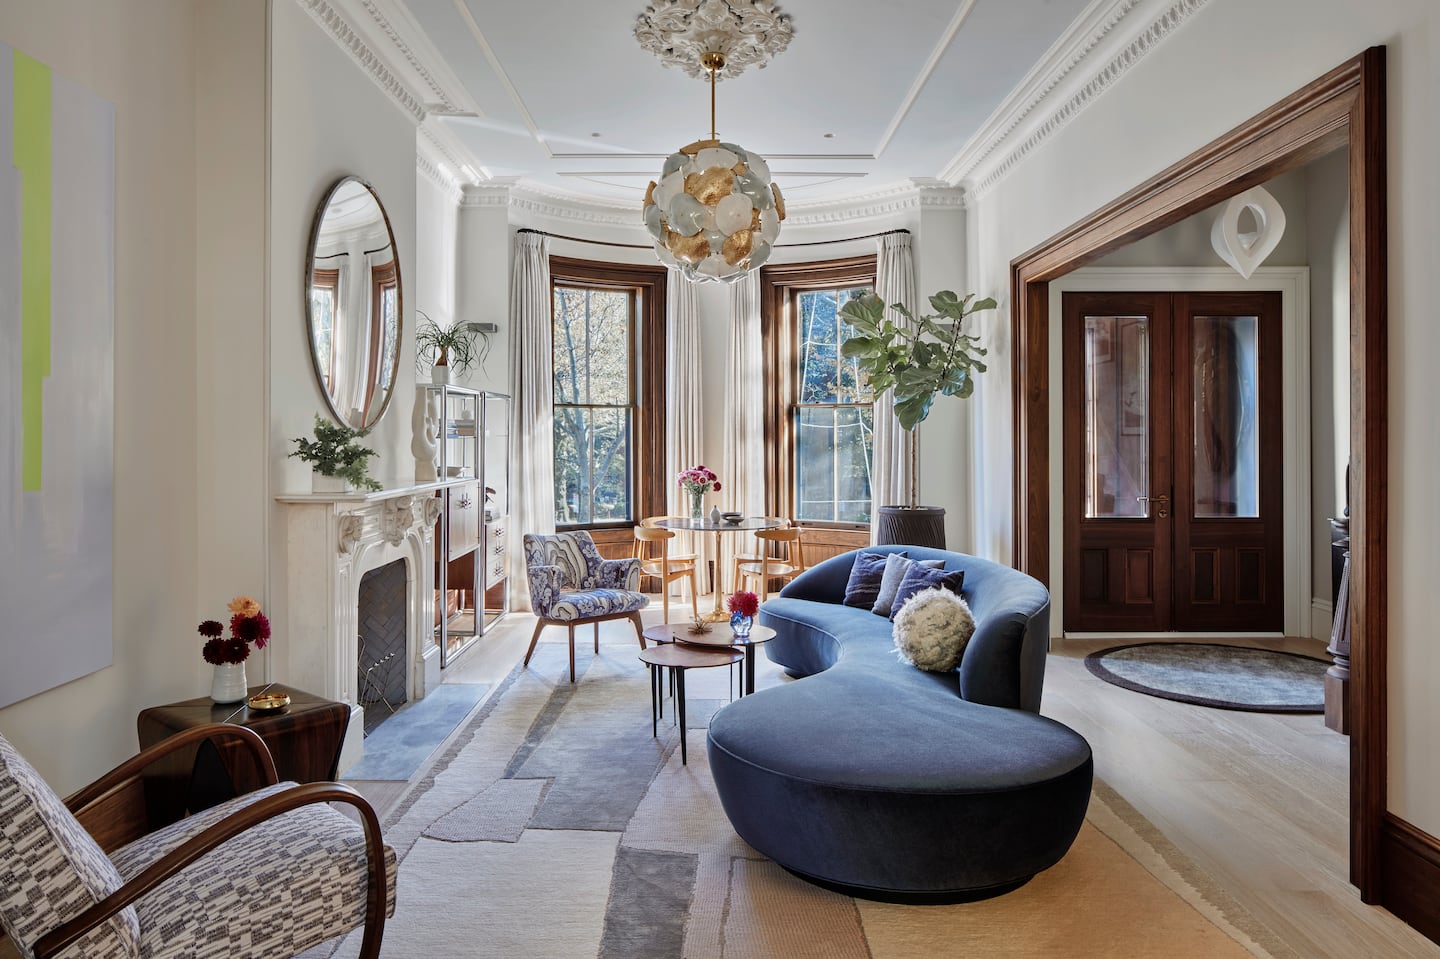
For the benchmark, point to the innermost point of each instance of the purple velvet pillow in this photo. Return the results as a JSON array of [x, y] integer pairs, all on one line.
[[865, 577], [919, 577]]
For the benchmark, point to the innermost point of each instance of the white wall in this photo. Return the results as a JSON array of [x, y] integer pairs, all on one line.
[[436, 248], [1177, 99], [74, 732], [328, 120]]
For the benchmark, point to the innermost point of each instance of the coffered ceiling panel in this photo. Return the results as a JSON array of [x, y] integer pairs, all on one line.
[[560, 93]]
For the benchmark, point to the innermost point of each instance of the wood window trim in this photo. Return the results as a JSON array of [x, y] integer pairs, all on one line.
[[382, 277], [1344, 109], [648, 369], [329, 280], [777, 284]]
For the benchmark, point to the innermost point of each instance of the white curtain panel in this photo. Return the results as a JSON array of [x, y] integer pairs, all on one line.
[[684, 413], [743, 442], [532, 438], [890, 470]]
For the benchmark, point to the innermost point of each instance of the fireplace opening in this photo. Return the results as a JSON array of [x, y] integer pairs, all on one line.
[[381, 671]]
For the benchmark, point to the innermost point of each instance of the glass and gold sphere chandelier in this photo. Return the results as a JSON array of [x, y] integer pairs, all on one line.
[[714, 213]]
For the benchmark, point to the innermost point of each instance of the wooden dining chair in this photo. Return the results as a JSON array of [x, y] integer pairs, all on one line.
[[748, 558], [769, 567], [666, 567]]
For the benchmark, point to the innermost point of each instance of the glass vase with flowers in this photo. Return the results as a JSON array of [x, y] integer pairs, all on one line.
[[697, 481], [248, 626], [743, 606]]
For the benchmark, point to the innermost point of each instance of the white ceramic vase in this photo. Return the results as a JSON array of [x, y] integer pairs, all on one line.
[[440, 375], [320, 483], [228, 684]]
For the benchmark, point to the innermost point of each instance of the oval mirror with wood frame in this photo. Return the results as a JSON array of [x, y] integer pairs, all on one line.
[[354, 306]]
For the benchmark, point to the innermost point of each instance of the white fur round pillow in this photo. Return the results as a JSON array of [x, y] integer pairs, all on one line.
[[931, 630]]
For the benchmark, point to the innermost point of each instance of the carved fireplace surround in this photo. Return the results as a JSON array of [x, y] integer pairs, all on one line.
[[332, 540]]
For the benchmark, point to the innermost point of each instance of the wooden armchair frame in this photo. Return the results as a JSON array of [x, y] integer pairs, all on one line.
[[94, 797]]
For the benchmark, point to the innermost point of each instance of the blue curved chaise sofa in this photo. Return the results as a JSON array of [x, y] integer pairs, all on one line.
[[883, 781]]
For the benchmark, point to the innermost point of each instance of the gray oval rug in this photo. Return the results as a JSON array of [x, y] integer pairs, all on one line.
[[1226, 677]]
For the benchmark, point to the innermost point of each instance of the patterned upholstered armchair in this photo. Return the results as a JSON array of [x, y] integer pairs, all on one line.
[[571, 584], [269, 873]]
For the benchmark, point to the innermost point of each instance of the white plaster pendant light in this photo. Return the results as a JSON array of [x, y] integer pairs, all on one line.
[[1246, 251], [714, 213]]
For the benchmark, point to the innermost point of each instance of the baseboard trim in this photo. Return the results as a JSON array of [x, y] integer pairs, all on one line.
[[1410, 874]]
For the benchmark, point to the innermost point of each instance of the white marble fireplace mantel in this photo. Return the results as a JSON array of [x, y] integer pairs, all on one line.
[[332, 540]]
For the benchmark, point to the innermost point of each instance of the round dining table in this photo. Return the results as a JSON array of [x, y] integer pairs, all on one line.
[[682, 524]]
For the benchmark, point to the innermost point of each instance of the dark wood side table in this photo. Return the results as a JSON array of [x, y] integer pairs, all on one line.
[[304, 739]]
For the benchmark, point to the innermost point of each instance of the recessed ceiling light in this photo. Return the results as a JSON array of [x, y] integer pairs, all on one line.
[[829, 136], [594, 134]]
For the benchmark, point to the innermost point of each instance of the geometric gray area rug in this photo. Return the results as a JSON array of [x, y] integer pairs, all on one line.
[[499, 814], [554, 826], [1209, 674]]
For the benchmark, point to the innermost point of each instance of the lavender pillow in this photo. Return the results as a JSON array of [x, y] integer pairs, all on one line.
[[919, 578], [865, 576], [895, 566]]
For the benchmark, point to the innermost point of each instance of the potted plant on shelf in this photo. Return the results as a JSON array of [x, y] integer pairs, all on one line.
[[337, 461], [930, 356], [449, 350]]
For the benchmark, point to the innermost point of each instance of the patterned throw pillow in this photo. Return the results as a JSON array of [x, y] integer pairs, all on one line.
[[895, 566], [864, 585], [932, 630], [919, 578]]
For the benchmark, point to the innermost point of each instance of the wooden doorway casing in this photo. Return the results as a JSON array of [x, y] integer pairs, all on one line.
[[1344, 109]]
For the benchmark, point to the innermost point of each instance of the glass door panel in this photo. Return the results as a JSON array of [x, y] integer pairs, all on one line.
[[1226, 360], [1117, 417]]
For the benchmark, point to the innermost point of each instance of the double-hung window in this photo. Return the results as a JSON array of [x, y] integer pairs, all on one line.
[[820, 412], [605, 418]]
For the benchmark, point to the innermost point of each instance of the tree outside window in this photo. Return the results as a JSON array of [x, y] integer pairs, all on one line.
[[595, 404], [832, 414]]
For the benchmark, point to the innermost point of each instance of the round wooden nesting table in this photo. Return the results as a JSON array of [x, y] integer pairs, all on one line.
[[677, 658], [719, 637]]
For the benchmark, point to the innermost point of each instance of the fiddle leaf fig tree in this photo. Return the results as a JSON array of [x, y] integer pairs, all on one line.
[[929, 356]]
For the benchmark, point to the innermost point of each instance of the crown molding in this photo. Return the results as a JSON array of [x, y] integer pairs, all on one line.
[[492, 194], [576, 207], [428, 168], [392, 22], [909, 195], [1025, 119], [343, 30]]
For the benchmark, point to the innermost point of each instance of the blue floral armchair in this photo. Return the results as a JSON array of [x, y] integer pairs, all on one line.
[[570, 583]]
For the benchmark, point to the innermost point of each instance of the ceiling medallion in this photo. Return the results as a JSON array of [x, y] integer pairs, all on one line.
[[714, 214], [746, 32]]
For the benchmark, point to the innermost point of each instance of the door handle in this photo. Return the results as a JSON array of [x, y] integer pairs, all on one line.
[[1162, 504]]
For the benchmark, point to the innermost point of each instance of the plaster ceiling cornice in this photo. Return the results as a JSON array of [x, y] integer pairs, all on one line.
[[1066, 81], [579, 208], [1104, 43], [344, 30], [426, 166]]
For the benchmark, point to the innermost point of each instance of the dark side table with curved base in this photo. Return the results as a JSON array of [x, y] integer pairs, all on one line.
[[677, 658]]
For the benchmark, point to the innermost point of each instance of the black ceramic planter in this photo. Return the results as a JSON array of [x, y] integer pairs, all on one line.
[[921, 526]]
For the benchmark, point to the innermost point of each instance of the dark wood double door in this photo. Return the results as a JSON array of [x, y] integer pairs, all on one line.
[[1172, 462]]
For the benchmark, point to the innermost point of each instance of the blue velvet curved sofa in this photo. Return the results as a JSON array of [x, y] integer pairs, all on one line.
[[887, 782]]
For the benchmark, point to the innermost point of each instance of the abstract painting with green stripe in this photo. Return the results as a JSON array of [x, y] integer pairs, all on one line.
[[57, 393]]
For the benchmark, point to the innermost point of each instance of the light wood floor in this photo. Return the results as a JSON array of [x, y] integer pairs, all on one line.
[[1259, 801]]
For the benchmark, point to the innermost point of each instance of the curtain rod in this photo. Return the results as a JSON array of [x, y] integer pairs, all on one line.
[[650, 246]]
